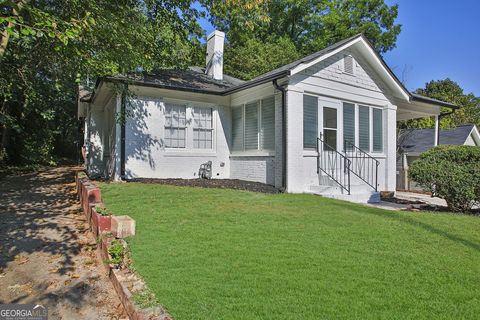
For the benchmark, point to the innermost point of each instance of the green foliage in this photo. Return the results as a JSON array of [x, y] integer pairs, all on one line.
[[245, 255], [451, 173], [256, 56], [309, 25], [102, 211], [51, 47], [145, 298], [449, 91], [117, 252]]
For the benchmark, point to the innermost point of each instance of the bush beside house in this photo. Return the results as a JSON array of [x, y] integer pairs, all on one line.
[[452, 173]]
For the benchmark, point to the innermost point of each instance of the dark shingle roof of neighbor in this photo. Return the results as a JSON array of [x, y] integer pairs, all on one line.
[[194, 79], [421, 140]]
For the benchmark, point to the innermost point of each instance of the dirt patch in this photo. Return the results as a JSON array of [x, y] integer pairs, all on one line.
[[214, 183], [47, 254]]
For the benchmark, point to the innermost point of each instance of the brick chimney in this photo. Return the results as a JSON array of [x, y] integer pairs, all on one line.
[[214, 66]]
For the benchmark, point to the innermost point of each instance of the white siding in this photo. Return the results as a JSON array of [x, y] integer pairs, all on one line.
[[328, 81]]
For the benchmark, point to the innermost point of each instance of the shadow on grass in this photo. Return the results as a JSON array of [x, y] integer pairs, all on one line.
[[425, 226]]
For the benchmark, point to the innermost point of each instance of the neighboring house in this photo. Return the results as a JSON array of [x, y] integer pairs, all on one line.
[[324, 124], [413, 142]]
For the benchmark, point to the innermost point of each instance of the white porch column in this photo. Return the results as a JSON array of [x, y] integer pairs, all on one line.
[[391, 148], [437, 128], [118, 140], [294, 110]]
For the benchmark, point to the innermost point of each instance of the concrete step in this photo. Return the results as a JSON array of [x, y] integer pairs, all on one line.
[[354, 189], [373, 197]]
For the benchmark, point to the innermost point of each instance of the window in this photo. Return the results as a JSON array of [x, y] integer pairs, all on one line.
[[267, 130], [349, 122], [364, 128], [202, 128], [175, 126], [251, 126], [330, 128], [310, 122], [237, 129], [377, 130], [348, 64]]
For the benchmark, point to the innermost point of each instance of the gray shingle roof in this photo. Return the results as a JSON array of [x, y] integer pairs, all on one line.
[[194, 79], [421, 140]]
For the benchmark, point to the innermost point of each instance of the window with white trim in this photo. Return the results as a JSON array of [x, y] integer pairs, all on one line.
[[364, 128], [377, 124], [202, 128], [175, 125], [369, 136], [310, 122], [267, 128], [237, 128], [253, 126], [349, 122]]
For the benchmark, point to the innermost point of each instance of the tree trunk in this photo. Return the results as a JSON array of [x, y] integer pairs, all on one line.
[[4, 35]]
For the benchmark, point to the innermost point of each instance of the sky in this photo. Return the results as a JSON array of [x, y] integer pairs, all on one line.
[[439, 39]]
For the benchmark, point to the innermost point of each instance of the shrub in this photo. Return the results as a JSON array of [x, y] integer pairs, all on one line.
[[102, 211], [451, 173], [117, 252]]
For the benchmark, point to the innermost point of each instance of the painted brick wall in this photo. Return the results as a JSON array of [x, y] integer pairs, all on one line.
[[259, 169], [147, 156]]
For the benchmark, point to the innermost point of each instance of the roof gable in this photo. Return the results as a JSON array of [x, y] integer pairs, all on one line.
[[363, 48]]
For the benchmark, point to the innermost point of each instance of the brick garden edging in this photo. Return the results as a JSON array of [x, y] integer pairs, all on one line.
[[123, 280]]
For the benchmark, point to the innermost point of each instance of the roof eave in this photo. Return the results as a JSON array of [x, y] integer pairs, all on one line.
[[419, 98]]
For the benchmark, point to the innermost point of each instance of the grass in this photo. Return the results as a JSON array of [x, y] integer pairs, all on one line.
[[224, 254]]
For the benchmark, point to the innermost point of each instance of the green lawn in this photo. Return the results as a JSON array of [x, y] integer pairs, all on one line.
[[225, 254]]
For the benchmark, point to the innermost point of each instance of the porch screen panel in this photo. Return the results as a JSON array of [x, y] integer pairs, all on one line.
[[377, 130], [349, 122], [310, 122], [251, 126], [268, 124], [364, 128], [237, 129]]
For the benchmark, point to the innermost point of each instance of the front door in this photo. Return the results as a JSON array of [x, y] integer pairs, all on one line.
[[328, 124]]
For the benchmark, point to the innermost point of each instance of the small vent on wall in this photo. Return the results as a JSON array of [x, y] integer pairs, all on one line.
[[348, 64]]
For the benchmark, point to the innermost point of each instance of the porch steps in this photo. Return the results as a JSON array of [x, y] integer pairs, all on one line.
[[358, 193]]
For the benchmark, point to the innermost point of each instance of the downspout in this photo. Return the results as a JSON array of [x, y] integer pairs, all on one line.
[[122, 135], [439, 117], [284, 134]]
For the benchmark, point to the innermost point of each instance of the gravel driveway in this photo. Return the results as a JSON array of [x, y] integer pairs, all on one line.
[[47, 254]]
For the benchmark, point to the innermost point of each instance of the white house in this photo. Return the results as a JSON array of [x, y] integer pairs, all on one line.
[[324, 124]]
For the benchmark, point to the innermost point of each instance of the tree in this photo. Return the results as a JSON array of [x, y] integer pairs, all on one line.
[[49, 47], [310, 25], [255, 57], [448, 91]]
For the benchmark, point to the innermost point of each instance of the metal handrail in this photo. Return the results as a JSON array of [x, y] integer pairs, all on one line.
[[334, 164], [364, 166]]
